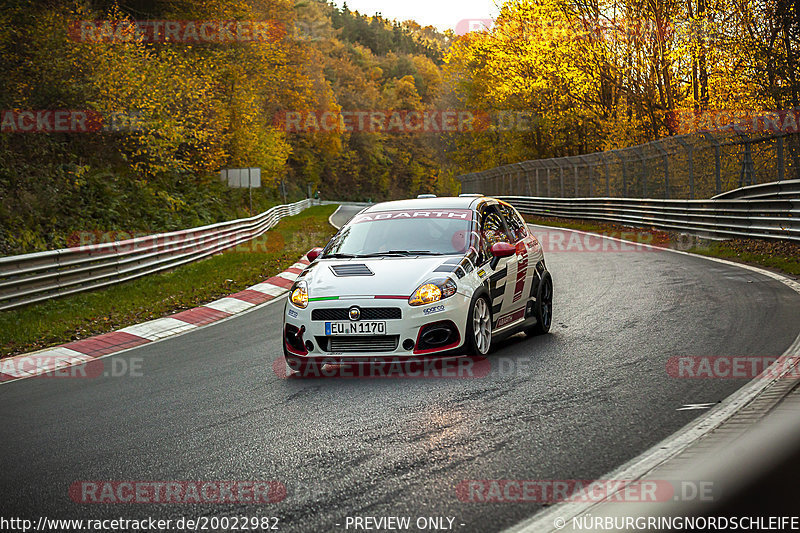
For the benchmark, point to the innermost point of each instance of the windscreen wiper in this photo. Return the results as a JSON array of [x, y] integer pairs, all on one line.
[[340, 256], [403, 253]]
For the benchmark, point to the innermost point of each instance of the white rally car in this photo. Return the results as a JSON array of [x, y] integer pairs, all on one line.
[[416, 278]]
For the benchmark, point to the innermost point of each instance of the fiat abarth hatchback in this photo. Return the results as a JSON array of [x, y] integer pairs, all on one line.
[[418, 278]]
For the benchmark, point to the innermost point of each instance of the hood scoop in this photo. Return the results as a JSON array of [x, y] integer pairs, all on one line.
[[351, 270]]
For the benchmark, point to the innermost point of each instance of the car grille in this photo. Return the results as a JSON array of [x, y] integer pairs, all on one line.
[[351, 270], [361, 343], [367, 313]]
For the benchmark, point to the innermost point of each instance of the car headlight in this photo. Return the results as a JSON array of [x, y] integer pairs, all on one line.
[[300, 294], [433, 291]]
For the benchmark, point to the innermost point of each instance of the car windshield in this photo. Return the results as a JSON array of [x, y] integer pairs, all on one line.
[[403, 233]]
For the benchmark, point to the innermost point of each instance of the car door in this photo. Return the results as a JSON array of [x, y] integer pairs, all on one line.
[[493, 229], [529, 253]]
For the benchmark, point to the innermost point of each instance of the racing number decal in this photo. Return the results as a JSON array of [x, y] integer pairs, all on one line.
[[522, 270]]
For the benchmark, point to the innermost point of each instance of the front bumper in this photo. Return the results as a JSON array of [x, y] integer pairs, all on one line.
[[405, 337]]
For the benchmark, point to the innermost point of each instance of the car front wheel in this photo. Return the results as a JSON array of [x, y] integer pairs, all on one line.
[[479, 326]]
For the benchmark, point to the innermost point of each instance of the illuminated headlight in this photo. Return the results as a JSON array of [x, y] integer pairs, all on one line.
[[299, 295], [433, 291]]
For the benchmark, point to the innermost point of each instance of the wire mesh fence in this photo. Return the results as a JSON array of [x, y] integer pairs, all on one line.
[[698, 165]]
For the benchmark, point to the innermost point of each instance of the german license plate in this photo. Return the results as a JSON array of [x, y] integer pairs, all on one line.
[[355, 328]]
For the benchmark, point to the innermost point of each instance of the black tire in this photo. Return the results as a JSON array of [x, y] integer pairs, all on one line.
[[481, 306], [543, 308]]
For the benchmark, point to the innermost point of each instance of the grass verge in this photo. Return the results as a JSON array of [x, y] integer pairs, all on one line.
[[778, 255], [83, 315], [781, 256]]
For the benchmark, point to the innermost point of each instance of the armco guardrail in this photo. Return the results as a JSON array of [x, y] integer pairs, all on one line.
[[777, 189], [356, 204], [30, 278], [764, 217]]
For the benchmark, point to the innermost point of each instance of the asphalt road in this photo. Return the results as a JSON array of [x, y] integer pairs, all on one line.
[[345, 212], [574, 404]]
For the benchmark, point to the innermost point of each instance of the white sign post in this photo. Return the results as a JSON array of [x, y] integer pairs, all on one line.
[[239, 178]]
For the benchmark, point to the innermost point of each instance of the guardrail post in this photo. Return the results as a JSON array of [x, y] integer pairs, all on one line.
[[779, 148], [548, 183], [608, 176], [537, 181], [561, 178]]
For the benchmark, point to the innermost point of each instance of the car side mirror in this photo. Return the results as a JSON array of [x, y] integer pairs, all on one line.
[[500, 250], [313, 254]]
